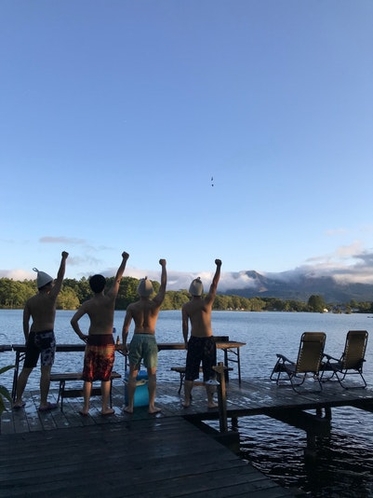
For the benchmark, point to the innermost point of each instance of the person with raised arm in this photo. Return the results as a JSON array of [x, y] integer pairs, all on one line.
[[143, 346], [40, 338], [100, 346], [201, 345]]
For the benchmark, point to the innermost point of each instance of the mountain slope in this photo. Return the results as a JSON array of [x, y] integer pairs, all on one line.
[[301, 287]]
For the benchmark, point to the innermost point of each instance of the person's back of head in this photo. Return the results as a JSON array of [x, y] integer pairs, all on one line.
[[196, 287], [97, 283], [43, 279], [145, 288]]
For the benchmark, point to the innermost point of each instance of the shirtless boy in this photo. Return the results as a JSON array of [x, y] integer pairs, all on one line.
[[201, 345], [40, 338], [100, 350], [143, 345]]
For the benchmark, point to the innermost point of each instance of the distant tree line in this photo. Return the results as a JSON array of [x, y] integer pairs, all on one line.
[[14, 294]]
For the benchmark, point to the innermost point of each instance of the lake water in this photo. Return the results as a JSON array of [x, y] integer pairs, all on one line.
[[344, 463]]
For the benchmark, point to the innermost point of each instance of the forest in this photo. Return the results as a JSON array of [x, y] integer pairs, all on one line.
[[14, 294]]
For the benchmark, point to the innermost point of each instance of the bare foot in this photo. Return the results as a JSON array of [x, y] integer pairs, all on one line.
[[48, 407], [127, 409], [212, 405], [107, 412], [186, 404], [154, 410], [18, 405]]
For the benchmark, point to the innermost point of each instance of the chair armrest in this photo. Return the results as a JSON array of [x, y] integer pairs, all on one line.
[[284, 359], [328, 357]]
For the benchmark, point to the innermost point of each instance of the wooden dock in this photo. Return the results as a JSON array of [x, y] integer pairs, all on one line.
[[62, 454]]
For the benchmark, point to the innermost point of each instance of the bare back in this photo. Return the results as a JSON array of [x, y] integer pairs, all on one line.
[[100, 310], [144, 313], [42, 309], [198, 311]]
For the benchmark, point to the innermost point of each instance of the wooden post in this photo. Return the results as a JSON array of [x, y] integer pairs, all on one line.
[[222, 397]]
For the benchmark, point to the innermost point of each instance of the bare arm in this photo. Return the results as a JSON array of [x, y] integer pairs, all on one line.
[[75, 325], [126, 328], [185, 325], [26, 321], [115, 287], [162, 289], [61, 273], [214, 284]]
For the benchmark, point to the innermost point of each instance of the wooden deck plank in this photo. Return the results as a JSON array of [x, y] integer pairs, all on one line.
[[149, 458], [256, 397], [63, 454]]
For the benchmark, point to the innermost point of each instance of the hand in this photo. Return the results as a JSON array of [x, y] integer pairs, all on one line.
[[84, 337], [218, 262], [162, 262], [64, 254], [125, 255]]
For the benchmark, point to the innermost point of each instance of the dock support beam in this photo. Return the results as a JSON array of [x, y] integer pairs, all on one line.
[[230, 439], [314, 425], [222, 397]]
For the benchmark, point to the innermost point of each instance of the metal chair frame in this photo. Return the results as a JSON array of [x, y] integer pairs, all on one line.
[[310, 354], [351, 361]]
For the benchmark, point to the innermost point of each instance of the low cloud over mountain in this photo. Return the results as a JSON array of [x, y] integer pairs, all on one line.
[[338, 286], [349, 278]]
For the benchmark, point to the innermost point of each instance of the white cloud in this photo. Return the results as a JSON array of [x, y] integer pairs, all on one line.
[[348, 264], [18, 274], [61, 240]]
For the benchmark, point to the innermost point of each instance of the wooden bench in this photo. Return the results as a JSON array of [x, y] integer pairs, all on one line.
[[62, 378], [181, 372]]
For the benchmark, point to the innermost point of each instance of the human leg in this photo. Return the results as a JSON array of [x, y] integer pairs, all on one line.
[[105, 394], [188, 386], [209, 374], [44, 385], [31, 360], [152, 384], [131, 387], [98, 365], [193, 360], [210, 391], [21, 384], [46, 343], [87, 389], [150, 357]]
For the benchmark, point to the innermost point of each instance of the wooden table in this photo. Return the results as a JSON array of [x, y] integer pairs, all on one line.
[[229, 347]]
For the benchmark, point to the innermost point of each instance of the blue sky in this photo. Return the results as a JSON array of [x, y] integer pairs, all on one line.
[[116, 115]]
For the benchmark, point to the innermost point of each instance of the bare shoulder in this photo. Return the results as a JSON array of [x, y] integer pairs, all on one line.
[[86, 305]]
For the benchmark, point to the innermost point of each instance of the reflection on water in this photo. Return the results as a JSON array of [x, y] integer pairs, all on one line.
[[343, 466]]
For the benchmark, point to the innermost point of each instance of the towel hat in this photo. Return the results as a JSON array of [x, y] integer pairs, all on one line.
[[145, 287], [196, 287], [42, 278]]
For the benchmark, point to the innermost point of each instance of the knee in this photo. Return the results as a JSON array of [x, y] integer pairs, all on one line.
[[152, 375]]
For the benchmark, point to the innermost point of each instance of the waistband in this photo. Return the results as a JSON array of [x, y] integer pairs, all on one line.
[[41, 331], [100, 340]]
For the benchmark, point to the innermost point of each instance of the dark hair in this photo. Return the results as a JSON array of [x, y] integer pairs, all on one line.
[[97, 283]]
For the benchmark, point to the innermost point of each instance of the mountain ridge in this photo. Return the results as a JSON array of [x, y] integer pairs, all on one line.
[[300, 287]]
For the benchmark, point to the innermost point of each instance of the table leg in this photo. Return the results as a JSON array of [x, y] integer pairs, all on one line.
[[15, 375]]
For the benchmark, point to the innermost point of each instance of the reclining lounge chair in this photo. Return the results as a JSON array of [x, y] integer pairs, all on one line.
[[351, 361], [311, 349]]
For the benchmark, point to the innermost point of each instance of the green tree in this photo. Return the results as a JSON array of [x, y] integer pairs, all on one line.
[[316, 303], [67, 299]]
